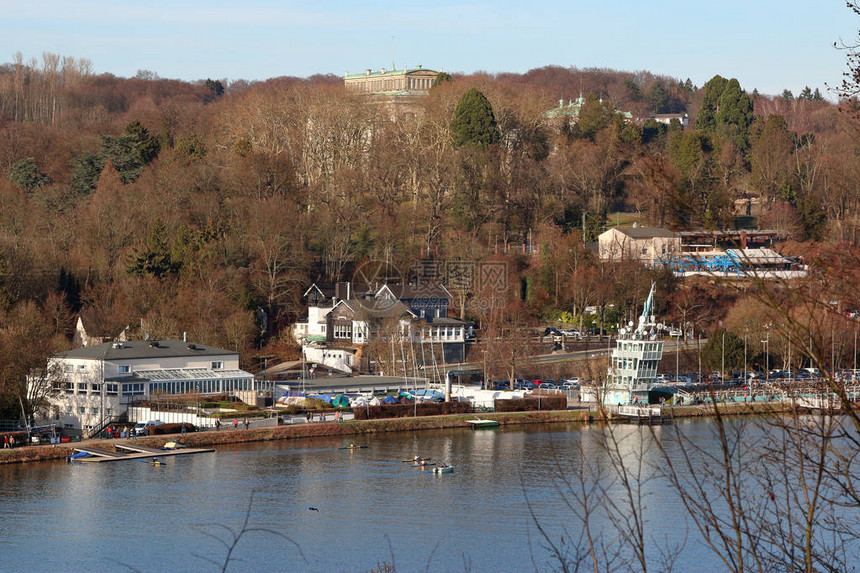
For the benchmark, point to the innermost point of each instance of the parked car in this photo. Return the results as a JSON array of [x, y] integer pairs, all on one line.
[[142, 428], [548, 385], [570, 332]]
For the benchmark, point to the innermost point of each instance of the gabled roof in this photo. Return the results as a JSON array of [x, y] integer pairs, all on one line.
[[375, 308], [314, 288], [135, 349]]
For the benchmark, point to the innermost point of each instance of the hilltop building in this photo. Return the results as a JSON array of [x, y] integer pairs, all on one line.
[[391, 82], [644, 244], [572, 109]]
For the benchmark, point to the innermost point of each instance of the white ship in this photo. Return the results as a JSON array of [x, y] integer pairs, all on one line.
[[634, 362]]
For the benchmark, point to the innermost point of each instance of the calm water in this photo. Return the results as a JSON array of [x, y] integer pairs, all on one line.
[[125, 516]]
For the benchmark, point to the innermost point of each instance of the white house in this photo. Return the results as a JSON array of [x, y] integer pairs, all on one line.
[[96, 384], [644, 244]]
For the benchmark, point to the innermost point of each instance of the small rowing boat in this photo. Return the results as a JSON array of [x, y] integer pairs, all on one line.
[[416, 460], [423, 464], [352, 447], [443, 470]]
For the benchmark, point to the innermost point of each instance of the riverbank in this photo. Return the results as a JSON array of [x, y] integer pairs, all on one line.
[[358, 428]]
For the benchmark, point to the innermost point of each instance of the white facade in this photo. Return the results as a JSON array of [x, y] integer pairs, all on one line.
[[98, 382], [638, 244], [342, 359]]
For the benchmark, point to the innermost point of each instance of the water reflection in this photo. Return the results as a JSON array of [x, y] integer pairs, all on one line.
[[372, 506]]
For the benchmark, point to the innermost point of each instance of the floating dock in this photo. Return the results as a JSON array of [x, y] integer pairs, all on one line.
[[483, 424], [643, 414], [132, 452]]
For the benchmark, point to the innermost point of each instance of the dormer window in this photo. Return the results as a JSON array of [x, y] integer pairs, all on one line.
[[217, 365]]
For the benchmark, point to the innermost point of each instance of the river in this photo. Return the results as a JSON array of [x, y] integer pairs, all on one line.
[[372, 507]]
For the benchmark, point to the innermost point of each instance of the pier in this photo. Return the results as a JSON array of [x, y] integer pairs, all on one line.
[[132, 452]]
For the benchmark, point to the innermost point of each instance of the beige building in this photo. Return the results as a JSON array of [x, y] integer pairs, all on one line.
[[644, 244], [415, 80]]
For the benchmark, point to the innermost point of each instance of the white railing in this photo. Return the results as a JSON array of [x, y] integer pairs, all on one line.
[[635, 411]]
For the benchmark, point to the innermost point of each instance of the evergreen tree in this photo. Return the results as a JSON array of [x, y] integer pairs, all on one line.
[[214, 86], [735, 115], [441, 78], [706, 120], [86, 169], [634, 93], [26, 176], [474, 123], [657, 97], [806, 94], [787, 96], [726, 111]]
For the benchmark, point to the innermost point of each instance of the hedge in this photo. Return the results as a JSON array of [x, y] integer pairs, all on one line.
[[530, 404], [410, 410]]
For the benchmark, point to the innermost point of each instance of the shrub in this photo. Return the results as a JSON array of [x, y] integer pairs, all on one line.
[[555, 402], [410, 410], [171, 429]]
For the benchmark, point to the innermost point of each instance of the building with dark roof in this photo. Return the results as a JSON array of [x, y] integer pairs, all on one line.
[[95, 385]]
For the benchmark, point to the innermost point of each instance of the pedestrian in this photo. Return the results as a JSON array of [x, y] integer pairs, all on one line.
[[235, 424], [322, 417], [246, 423], [6, 442], [11, 441], [217, 424], [183, 428]]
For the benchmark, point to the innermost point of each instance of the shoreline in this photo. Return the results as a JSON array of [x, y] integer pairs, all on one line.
[[357, 428]]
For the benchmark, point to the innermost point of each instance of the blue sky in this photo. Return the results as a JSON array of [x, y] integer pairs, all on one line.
[[766, 44]]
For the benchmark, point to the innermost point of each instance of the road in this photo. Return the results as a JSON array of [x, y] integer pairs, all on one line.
[[386, 384]]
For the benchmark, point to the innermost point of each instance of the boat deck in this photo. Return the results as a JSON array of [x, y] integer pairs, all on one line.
[[132, 452]]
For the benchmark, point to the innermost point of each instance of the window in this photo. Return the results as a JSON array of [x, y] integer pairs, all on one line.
[[82, 410], [111, 389], [217, 365], [96, 388], [82, 388], [68, 367], [95, 411], [343, 330], [124, 369], [70, 387], [69, 409], [132, 389], [82, 367]]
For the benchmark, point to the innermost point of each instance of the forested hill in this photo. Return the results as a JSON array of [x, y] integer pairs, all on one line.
[[189, 207]]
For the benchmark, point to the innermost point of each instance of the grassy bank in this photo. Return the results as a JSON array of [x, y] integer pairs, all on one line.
[[357, 428]]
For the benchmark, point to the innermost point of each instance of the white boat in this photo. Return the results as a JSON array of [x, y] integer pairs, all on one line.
[[633, 368], [443, 470]]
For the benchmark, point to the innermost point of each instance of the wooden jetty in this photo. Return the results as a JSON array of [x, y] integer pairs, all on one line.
[[132, 452]]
